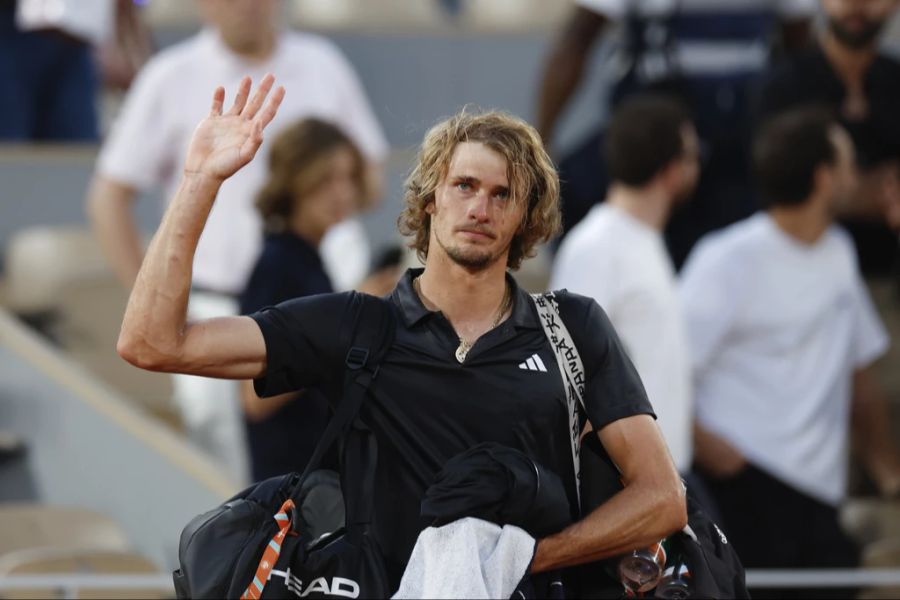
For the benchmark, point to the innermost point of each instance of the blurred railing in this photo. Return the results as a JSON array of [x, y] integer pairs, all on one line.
[[68, 586]]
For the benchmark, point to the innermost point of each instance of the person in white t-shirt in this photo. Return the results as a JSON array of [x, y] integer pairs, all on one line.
[[617, 256], [710, 53], [150, 138], [783, 334]]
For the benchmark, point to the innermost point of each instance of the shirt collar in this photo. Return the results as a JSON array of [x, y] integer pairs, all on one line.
[[405, 297]]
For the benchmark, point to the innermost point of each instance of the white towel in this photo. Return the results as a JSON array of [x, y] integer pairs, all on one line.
[[469, 558]]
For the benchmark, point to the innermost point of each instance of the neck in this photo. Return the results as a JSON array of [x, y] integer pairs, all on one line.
[[805, 223], [468, 299], [849, 63], [648, 204], [302, 228], [257, 49]]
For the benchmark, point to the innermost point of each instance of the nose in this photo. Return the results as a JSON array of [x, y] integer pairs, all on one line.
[[478, 207]]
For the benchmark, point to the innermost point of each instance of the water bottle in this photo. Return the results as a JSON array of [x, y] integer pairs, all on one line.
[[675, 583], [641, 570]]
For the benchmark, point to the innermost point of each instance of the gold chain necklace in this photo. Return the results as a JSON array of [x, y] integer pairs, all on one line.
[[462, 351]]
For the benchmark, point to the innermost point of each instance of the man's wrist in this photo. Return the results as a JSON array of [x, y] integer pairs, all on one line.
[[201, 178]]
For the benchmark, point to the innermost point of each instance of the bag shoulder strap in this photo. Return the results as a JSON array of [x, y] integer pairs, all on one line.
[[571, 370], [372, 336]]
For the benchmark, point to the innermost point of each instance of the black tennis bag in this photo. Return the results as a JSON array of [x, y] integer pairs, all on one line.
[[716, 571], [302, 535]]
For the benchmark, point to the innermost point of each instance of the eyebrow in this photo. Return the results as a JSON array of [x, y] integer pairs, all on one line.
[[471, 180]]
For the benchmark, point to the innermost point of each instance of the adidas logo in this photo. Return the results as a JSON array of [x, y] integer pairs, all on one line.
[[534, 363]]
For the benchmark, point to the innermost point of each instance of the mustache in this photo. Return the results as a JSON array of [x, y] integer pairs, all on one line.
[[477, 229]]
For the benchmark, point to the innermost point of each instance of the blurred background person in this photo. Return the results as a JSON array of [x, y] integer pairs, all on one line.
[[51, 76], [848, 72], [149, 139], [316, 180], [709, 53], [617, 256], [782, 334]]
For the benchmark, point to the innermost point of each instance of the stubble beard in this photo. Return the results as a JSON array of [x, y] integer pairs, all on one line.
[[472, 260], [856, 40]]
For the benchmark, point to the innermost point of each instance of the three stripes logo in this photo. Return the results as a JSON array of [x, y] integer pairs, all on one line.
[[534, 363]]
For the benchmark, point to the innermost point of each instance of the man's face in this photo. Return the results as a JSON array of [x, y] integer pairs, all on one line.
[[857, 23], [474, 217], [844, 179], [688, 166], [242, 23]]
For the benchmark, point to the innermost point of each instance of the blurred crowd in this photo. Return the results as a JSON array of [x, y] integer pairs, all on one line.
[[735, 217]]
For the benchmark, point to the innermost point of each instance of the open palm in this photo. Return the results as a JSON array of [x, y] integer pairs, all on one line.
[[223, 143]]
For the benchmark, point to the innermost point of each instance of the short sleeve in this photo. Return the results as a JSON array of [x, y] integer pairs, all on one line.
[[709, 302], [305, 342], [613, 388], [870, 339], [355, 115], [137, 150], [611, 9]]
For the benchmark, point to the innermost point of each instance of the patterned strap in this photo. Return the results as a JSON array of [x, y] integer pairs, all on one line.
[[271, 553], [571, 370]]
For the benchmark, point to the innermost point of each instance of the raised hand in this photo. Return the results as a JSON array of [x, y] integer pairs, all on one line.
[[223, 143]]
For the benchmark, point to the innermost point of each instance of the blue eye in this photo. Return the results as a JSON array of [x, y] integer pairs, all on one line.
[[463, 186]]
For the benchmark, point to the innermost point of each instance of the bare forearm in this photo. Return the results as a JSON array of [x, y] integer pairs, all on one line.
[[157, 309], [564, 69], [109, 208], [872, 435], [634, 518]]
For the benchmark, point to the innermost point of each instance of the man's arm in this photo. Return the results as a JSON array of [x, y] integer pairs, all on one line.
[[651, 506], [258, 409], [111, 213], [155, 334], [715, 455], [565, 67], [872, 434]]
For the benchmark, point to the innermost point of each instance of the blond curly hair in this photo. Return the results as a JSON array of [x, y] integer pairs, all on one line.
[[532, 176]]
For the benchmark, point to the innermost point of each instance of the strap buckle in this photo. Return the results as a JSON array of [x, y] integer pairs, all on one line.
[[357, 357]]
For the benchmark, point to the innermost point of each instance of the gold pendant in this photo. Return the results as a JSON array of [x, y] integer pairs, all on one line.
[[461, 352]]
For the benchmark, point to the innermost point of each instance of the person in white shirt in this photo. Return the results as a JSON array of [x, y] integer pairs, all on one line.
[[150, 138], [783, 335], [709, 52], [617, 256]]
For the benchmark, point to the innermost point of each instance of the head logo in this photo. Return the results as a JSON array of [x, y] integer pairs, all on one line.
[[339, 586]]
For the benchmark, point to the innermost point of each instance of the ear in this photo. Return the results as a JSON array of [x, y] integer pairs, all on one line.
[[670, 175], [822, 178]]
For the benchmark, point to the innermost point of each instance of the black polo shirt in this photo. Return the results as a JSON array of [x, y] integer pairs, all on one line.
[[426, 407], [288, 267], [809, 78]]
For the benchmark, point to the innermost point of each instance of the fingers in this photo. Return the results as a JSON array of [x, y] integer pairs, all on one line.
[[218, 100], [241, 98], [259, 97], [268, 113]]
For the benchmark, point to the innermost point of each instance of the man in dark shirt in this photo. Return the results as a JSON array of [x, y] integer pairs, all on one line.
[[846, 72], [482, 195]]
